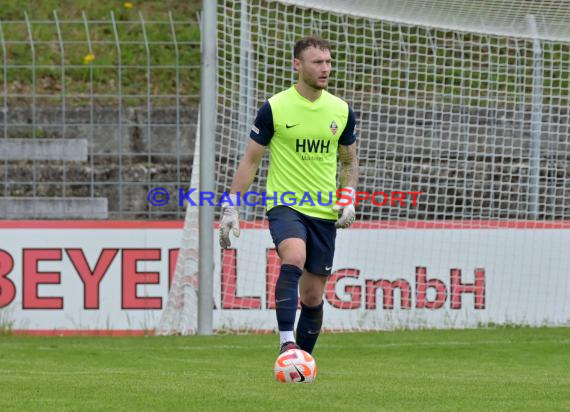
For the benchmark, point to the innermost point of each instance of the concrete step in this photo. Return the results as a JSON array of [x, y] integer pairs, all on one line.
[[107, 130], [53, 208], [43, 149], [101, 170]]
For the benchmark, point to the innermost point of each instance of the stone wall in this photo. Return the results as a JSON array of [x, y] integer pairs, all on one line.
[[128, 156], [470, 163]]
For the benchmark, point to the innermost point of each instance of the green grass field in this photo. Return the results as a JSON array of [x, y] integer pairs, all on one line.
[[488, 369]]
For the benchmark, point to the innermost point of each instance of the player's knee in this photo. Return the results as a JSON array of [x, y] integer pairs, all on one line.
[[311, 298], [295, 259], [292, 252]]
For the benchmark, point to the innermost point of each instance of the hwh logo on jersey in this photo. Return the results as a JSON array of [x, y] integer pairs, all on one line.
[[312, 146]]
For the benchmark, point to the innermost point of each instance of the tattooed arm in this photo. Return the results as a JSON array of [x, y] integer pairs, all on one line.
[[348, 179], [348, 165]]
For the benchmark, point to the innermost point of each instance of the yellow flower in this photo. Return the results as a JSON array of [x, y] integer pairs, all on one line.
[[88, 58], [128, 5]]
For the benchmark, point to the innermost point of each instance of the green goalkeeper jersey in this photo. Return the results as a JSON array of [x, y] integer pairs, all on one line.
[[303, 137]]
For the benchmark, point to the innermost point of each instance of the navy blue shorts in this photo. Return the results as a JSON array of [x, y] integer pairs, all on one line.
[[319, 236]]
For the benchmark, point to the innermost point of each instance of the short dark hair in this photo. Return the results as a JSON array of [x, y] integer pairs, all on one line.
[[310, 41]]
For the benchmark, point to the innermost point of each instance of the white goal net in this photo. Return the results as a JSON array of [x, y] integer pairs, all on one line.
[[465, 102]]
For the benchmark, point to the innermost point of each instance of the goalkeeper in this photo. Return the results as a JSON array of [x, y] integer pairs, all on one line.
[[305, 128]]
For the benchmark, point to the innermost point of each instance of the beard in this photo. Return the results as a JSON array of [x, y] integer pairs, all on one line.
[[314, 84]]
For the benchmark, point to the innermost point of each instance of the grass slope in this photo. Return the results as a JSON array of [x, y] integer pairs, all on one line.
[[77, 49], [490, 369]]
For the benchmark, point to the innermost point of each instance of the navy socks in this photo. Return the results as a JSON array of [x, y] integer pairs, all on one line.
[[309, 326], [286, 296]]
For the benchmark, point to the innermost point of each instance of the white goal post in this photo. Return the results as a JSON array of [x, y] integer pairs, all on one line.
[[464, 101]]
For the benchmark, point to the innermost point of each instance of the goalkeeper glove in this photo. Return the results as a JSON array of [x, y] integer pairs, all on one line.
[[348, 211], [230, 222]]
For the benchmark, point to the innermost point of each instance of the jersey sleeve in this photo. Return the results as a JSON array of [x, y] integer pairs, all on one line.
[[348, 136], [262, 129]]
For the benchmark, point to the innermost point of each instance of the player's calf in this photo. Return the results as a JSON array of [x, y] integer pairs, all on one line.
[[309, 326], [286, 298]]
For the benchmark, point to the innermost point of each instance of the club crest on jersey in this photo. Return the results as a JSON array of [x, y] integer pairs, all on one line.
[[334, 127]]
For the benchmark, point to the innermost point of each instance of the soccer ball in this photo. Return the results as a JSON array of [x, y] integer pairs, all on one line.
[[295, 366]]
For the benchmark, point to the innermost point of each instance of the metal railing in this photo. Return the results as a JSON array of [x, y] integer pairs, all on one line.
[[129, 88]]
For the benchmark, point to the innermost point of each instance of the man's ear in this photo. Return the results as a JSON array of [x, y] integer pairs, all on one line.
[[296, 64]]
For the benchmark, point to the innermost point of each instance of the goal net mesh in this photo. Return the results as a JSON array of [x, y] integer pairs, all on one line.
[[465, 102]]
